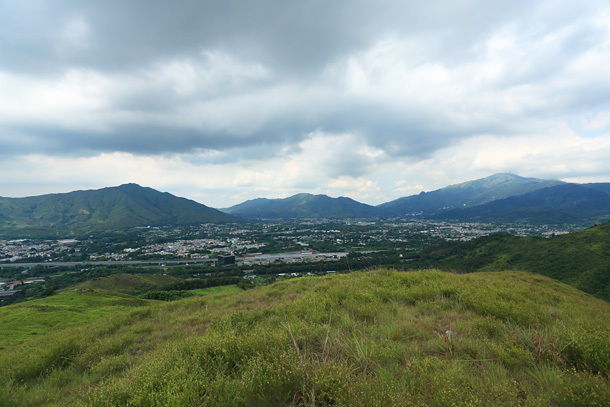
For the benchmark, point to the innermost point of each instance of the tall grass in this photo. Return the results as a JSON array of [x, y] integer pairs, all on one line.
[[380, 338]]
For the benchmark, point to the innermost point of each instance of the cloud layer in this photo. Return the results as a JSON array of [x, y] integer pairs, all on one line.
[[223, 101]]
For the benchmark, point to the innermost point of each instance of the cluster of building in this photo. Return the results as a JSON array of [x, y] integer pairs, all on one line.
[[187, 249], [8, 286], [24, 249], [199, 242]]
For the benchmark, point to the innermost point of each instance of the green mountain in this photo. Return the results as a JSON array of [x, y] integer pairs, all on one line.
[[469, 193], [303, 206], [378, 338], [572, 204], [581, 259], [121, 207]]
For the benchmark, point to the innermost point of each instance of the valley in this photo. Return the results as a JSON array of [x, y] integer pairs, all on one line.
[[283, 310], [276, 249]]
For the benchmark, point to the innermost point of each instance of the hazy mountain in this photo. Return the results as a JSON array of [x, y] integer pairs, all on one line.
[[562, 204], [580, 259], [469, 193], [303, 206], [601, 186], [119, 207]]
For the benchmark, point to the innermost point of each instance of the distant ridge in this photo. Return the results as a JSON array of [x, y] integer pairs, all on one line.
[[112, 208], [575, 204], [477, 192], [499, 198], [303, 206]]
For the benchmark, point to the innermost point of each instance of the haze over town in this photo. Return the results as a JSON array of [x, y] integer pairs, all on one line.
[[222, 102]]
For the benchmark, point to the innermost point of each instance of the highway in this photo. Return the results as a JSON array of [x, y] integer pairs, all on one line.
[[275, 256], [106, 263]]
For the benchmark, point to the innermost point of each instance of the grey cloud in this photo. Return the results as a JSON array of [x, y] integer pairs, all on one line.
[[293, 42], [288, 36]]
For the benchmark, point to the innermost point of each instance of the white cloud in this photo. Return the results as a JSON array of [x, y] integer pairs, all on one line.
[[601, 121], [226, 103]]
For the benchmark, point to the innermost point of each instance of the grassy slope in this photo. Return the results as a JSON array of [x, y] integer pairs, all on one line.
[[224, 289], [377, 338], [22, 322], [129, 283], [88, 302], [581, 259]]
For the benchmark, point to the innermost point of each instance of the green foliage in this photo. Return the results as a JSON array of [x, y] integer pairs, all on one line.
[[379, 338], [566, 204], [194, 283], [477, 192], [304, 206], [130, 283], [105, 209], [171, 295], [581, 259], [25, 321]]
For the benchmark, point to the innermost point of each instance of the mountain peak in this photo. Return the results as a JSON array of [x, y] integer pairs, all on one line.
[[476, 192], [129, 185], [303, 205], [112, 208]]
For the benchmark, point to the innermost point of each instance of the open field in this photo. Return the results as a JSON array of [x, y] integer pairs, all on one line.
[[31, 319], [224, 289]]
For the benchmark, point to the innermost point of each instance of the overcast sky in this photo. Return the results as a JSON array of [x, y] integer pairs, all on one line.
[[223, 101]]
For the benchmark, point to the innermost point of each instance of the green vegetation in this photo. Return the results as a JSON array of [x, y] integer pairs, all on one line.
[[567, 204], [129, 283], [173, 295], [477, 192], [170, 295], [23, 322], [224, 289], [105, 209], [379, 338], [303, 206], [581, 259]]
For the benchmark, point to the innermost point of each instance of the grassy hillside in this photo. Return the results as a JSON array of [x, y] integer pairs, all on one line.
[[129, 283], [83, 304], [362, 339], [25, 321], [581, 259]]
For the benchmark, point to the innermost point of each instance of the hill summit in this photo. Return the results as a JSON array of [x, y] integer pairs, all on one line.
[[379, 338], [303, 206], [470, 193], [120, 207]]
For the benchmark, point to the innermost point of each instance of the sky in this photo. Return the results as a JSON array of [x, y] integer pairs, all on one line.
[[224, 101]]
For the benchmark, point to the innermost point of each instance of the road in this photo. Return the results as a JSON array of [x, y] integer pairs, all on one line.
[[106, 263], [276, 256]]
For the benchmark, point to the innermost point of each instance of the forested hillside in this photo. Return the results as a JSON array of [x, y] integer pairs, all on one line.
[[581, 259], [104, 209]]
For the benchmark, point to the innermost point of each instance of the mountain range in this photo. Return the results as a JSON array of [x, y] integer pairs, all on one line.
[[500, 198], [121, 207], [466, 194], [560, 204]]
